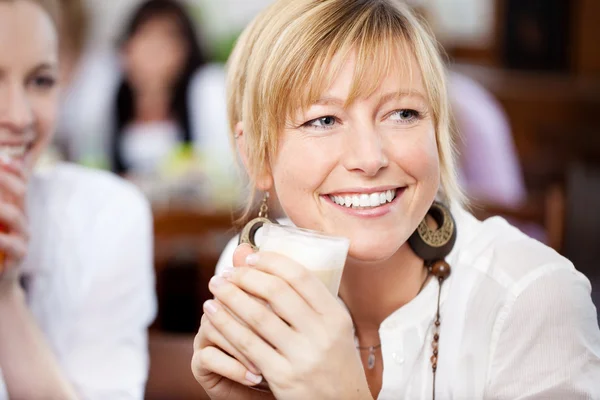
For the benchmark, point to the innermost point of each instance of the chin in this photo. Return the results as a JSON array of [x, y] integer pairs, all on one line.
[[373, 249]]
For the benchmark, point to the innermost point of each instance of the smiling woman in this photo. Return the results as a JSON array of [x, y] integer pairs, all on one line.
[[74, 304], [340, 108]]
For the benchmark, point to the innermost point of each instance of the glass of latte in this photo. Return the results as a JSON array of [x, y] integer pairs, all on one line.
[[324, 256]]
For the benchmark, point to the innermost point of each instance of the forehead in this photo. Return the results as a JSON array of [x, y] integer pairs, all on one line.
[[27, 34], [359, 74], [159, 21], [353, 77]]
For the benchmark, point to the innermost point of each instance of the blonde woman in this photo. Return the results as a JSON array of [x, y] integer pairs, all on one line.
[[76, 274], [340, 107]]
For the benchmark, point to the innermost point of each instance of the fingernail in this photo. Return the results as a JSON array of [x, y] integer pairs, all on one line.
[[252, 259], [226, 273], [256, 379], [210, 307], [217, 281]]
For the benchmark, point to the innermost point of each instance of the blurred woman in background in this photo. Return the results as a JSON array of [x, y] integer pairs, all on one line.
[[76, 273], [162, 99]]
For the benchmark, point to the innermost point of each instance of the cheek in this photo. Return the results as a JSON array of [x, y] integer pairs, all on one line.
[[301, 167], [177, 54], [418, 156]]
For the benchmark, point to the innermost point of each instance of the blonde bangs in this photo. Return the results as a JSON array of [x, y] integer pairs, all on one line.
[[379, 44]]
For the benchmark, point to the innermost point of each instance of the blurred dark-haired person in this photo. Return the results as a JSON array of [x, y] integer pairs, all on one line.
[[76, 274], [168, 96]]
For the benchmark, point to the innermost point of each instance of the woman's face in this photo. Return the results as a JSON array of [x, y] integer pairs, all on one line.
[[156, 53], [368, 172], [28, 80]]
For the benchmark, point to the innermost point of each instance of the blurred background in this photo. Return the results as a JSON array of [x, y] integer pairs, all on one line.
[[524, 84]]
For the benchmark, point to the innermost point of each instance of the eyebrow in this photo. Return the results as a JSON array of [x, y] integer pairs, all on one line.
[[45, 65], [328, 100]]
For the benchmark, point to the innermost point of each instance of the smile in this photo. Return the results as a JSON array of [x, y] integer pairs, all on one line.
[[10, 152], [364, 200]]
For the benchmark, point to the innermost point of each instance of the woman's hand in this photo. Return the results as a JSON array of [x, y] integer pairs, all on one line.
[[302, 342], [224, 372], [14, 235]]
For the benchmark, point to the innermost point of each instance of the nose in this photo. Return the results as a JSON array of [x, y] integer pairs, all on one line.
[[16, 112], [365, 152]]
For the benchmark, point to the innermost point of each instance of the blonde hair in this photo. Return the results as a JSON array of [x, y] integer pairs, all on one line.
[[52, 8], [289, 54]]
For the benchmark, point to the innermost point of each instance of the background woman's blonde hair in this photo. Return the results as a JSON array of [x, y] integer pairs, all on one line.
[[52, 7], [291, 52]]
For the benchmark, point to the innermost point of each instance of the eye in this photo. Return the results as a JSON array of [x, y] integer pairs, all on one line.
[[405, 115], [43, 82], [326, 122]]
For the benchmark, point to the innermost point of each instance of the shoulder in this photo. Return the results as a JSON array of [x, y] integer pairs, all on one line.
[[502, 253], [76, 181], [208, 79], [502, 272], [81, 193], [207, 97]]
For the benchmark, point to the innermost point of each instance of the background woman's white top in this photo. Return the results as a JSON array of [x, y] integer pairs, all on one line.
[[90, 279], [517, 323], [147, 146]]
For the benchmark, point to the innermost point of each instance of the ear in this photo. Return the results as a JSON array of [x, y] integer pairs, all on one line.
[[263, 179]]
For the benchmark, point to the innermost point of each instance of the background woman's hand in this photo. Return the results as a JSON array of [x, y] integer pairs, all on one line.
[[302, 341], [14, 235]]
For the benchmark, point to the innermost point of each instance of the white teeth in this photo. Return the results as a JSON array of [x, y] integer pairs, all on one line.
[[389, 195], [365, 200], [374, 199], [9, 152]]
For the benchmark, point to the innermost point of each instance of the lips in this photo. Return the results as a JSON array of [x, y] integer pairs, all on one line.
[[364, 200]]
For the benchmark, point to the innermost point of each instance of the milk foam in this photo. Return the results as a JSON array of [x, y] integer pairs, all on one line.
[[323, 255]]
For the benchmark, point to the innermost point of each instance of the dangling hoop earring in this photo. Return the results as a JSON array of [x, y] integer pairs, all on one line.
[[249, 231], [247, 236], [433, 246]]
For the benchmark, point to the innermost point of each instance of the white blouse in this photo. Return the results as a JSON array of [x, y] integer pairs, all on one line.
[[147, 146], [517, 323], [89, 278]]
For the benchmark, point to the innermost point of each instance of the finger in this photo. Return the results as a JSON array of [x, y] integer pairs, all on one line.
[[240, 254], [282, 298], [12, 189], [14, 166], [210, 336], [211, 360], [311, 288], [259, 352], [13, 247], [13, 220], [251, 311]]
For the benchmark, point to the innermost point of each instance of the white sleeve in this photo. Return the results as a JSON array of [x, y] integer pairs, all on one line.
[[549, 342], [107, 353]]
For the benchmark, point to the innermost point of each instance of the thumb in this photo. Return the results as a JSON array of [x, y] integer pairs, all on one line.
[[240, 254]]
